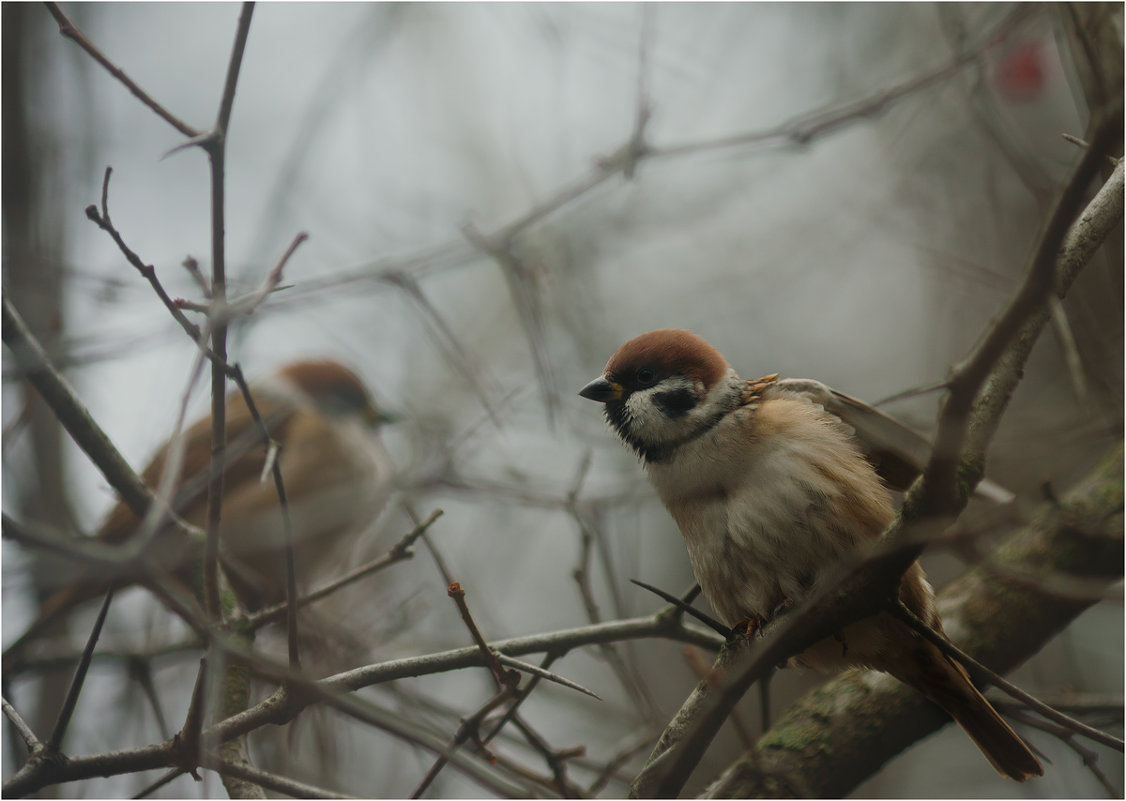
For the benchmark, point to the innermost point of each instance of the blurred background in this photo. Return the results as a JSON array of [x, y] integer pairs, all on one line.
[[796, 209]]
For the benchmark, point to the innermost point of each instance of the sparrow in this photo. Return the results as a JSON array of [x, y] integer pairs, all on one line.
[[337, 477], [771, 488]]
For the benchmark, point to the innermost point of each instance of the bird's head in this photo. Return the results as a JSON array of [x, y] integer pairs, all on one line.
[[664, 388], [335, 390]]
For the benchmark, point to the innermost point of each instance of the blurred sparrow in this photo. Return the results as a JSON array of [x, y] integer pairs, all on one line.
[[770, 488], [337, 479]]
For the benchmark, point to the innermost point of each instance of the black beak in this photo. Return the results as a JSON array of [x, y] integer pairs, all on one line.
[[602, 390]]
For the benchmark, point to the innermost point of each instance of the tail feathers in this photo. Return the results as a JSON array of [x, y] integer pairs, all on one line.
[[948, 685], [1002, 746]]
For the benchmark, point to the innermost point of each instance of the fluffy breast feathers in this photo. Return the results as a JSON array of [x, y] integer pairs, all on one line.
[[734, 490]]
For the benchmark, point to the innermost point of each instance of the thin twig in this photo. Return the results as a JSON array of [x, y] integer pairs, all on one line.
[[908, 617], [140, 670], [467, 729], [556, 759], [32, 742], [168, 777], [216, 151], [633, 745], [443, 570], [703, 671], [148, 272], [75, 418], [556, 642], [804, 129], [57, 734], [71, 31], [270, 781], [192, 266], [590, 537], [503, 678], [1089, 756], [398, 552]]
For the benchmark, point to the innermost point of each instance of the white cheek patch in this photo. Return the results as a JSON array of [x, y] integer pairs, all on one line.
[[650, 423]]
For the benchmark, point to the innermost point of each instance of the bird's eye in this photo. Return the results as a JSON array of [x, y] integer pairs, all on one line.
[[646, 377]]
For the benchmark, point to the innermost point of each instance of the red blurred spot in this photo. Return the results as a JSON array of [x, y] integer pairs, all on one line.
[[1020, 74]]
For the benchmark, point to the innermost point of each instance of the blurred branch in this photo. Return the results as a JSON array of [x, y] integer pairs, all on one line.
[[1065, 735], [523, 286], [1065, 246], [556, 758], [1073, 251], [804, 129], [284, 704], [74, 417], [475, 375], [398, 552], [468, 728], [626, 158], [591, 534]]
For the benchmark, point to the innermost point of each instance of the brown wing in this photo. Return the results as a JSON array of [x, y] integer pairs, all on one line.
[[896, 451], [245, 458]]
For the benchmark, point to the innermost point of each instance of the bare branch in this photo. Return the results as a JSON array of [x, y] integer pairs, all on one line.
[[398, 552], [56, 738], [70, 31], [940, 485], [502, 677], [32, 742], [216, 151], [271, 781], [147, 271]]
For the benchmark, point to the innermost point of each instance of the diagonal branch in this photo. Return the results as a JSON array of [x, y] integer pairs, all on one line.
[[71, 31], [940, 486], [74, 417]]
